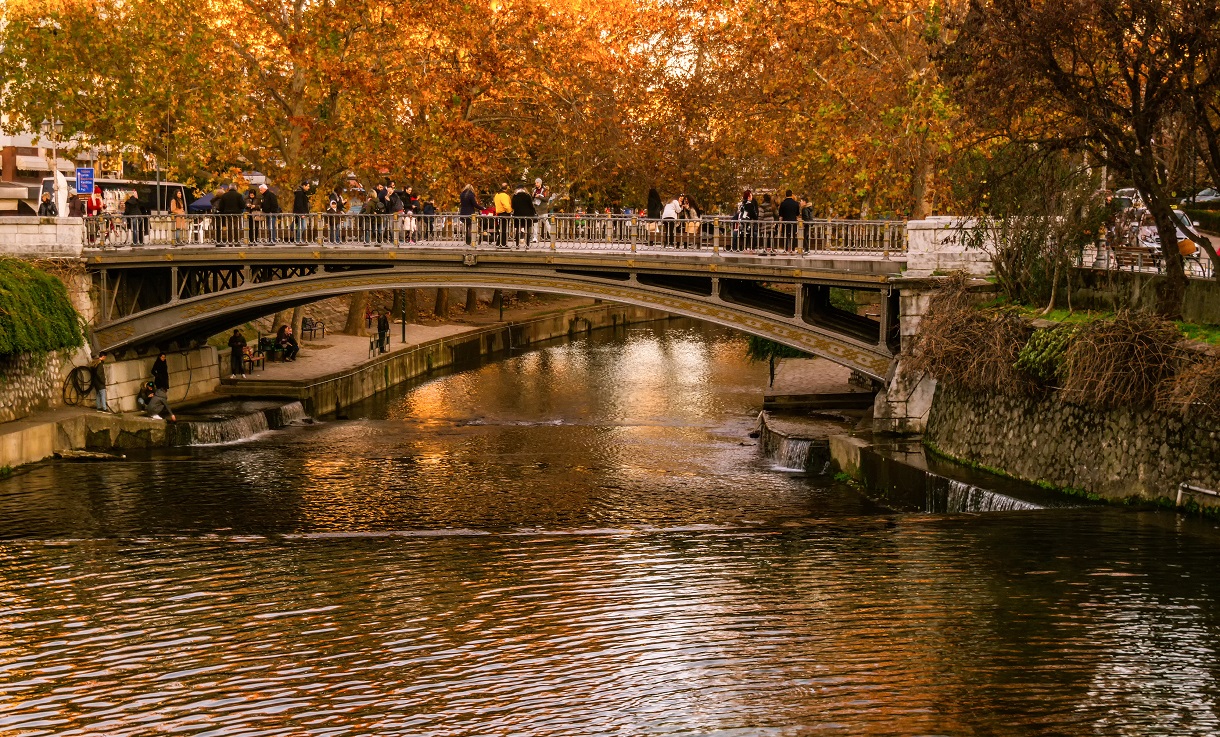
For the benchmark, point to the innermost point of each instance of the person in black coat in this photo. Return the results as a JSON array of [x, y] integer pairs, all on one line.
[[269, 204], [789, 213], [232, 206], [160, 373], [468, 208], [747, 213], [523, 214], [237, 354], [288, 344], [300, 208], [133, 210], [47, 207], [383, 331]]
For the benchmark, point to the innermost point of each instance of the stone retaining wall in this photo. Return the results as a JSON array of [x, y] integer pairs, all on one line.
[[30, 383], [1115, 454], [1098, 289]]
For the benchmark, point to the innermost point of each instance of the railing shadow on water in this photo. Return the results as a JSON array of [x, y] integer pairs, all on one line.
[[567, 232]]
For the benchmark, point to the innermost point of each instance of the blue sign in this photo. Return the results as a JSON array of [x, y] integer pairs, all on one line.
[[84, 180]]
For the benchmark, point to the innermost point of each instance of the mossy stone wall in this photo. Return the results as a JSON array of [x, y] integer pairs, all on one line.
[[1114, 454]]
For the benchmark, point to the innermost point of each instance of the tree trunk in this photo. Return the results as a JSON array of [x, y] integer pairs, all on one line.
[[522, 295], [441, 308], [355, 314], [410, 300], [283, 317], [472, 301], [297, 313], [396, 303], [497, 299], [925, 171], [1172, 291]]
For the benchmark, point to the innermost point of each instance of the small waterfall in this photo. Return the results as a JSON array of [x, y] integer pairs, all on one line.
[[229, 429], [793, 454], [288, 414], [219, 430], [963, 497]]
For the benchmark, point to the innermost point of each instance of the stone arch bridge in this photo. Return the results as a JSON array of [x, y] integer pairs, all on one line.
[[159, 296]]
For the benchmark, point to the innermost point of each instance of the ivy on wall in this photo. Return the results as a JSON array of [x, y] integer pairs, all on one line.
[[36, 315]]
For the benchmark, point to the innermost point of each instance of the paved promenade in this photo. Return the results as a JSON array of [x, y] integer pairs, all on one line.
[[338, 352]]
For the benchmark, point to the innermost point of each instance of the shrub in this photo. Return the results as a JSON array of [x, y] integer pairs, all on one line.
[[1044, 357], [1195, 388], [35, 313], [962, 345], [1121, 362]]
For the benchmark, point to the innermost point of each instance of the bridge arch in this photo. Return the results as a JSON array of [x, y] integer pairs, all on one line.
[[199, 316]]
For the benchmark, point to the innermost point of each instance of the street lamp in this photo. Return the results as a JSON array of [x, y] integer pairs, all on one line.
[[52, 129]]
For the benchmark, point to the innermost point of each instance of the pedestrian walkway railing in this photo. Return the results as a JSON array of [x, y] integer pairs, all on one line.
[[553, 231], [1141, 259]]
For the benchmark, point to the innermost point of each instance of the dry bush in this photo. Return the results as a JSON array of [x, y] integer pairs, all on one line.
[[1195, 388], [962, 345], [1121, 362]]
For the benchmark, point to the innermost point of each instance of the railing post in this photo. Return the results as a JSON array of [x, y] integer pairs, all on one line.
[[173, 284], [715, 235], [634, 228], [554, 222], [885, 243]]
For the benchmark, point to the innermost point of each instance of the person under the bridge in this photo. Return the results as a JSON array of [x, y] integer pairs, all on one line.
[[287, 343], [160, 372], [156, 402], [237, 352], [383, 332]]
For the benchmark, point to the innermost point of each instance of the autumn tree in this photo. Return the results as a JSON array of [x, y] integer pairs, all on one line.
[[1104, 77]]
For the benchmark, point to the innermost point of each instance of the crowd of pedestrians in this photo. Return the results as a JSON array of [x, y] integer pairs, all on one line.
[[513, 217]]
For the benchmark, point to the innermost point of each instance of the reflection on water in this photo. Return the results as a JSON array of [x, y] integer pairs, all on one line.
[[575, 542]]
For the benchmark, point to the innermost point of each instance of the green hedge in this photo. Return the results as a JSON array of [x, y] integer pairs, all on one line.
[[1208, 220], [35, 314]]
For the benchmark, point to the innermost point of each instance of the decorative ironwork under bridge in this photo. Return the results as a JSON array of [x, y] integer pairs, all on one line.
[[163, 281]]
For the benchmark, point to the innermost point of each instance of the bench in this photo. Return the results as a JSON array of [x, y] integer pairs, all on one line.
[[250, 360], [268, 348], [1136, 257], [312, 326]]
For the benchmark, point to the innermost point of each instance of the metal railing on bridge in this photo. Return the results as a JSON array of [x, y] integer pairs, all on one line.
[[553, 231]]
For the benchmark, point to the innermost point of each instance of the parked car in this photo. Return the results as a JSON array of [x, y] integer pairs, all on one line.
[[1204, 195]]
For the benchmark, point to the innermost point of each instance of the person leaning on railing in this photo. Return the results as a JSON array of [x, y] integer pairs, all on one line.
[[523, 214]]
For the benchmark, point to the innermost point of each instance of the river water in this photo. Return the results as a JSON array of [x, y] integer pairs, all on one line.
[[579, 540]]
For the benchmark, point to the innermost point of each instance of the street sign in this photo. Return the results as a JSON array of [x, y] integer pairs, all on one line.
[[84, 179]]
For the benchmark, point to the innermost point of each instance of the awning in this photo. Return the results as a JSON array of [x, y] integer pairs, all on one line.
[[37, 163]]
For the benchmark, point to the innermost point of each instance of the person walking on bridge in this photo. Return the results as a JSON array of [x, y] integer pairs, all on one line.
[[789, 213], [523, 214], [504, 212], [232, 206], [133, 210], [542, 205], [269, 203], [468, 210], [300, 210], [747, 214]]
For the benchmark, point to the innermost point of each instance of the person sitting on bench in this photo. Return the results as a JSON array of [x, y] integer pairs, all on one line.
[[287, 343]]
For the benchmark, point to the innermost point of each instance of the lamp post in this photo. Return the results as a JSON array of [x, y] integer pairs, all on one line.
[[51, 129]]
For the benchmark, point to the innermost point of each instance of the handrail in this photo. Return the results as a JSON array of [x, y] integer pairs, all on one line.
[[554, 231]]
